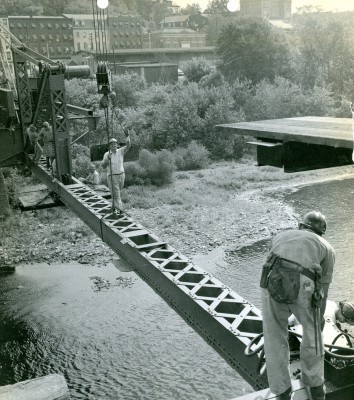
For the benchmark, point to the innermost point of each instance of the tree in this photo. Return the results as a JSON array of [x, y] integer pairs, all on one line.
[[159, 11], [326, 49], [252, 49], [54, 7], [4, 200], [196, 69], [20, 7], [191, 9], [217, 7]]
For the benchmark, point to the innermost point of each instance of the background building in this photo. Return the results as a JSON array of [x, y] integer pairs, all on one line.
[[50, 36], [269, 9], [173, 38], [83, 31], [124, 32]]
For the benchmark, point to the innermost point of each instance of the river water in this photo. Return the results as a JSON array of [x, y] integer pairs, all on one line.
[[123, 341]]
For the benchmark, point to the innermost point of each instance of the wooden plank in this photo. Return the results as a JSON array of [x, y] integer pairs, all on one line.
[[50, 387], [35, 199]]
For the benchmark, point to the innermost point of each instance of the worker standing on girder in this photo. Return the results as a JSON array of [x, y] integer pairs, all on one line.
[[295, 280], [33, 137], [46, 135], [113, 161]]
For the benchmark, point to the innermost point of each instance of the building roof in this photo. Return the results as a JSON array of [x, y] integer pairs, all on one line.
[[175, 18], [38, 16], [177, 30], [79, 16]]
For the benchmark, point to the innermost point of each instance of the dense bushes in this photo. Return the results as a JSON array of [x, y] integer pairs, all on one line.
[[169, 120], [195, 156], [152, 168], [157, 168], [196, 69]]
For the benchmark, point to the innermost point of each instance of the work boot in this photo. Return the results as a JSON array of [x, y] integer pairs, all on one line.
[[285, 395], [318, 392]]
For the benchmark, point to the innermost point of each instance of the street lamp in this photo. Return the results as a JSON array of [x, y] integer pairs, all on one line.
[[102, 4], [232, 5]]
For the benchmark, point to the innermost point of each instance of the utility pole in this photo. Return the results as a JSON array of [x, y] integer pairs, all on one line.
[[91, 40]]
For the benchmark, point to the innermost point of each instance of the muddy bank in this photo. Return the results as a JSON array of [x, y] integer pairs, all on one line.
[[212, 218]]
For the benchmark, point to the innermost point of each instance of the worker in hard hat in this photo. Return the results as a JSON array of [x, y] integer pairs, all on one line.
[[295, 280], [113, 162], [33, 137], [342, 314]]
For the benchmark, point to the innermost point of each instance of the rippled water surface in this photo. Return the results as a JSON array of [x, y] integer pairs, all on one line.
[[125, 342]]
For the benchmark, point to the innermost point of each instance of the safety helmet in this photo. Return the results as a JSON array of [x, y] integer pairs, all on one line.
[[315, 221], [347, 310], [112, 140]]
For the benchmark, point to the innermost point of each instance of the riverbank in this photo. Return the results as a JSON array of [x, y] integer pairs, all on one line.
[[227, 205]]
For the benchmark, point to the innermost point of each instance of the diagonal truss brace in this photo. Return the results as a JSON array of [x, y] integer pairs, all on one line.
[[225, 320]]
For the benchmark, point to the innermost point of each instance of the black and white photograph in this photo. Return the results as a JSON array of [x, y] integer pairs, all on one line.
[[176, 189]]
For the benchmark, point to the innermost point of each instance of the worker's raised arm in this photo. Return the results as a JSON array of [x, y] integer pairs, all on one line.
[[128, 142]]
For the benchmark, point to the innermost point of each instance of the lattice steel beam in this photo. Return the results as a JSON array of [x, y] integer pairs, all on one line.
[[225, 320]]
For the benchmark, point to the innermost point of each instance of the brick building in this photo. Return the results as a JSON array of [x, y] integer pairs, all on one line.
[[125, 32], [50, 36], [83, 31]]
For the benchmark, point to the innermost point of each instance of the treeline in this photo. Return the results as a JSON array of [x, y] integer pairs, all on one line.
[[263, 74]]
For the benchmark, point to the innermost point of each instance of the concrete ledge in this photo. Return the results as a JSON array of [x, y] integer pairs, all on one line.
[[50, 387]]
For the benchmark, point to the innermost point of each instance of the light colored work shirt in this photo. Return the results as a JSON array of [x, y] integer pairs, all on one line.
[[115, 165], [306, 248], [93, 178]]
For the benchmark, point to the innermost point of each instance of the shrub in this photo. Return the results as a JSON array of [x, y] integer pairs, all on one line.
[[135, 174], [127, 88], [159, 166], [12, 182], [151, 168], [195, 156], [195, 69], [215, 78], [82, 93], [284, 99], [81, 166], [79, 150]]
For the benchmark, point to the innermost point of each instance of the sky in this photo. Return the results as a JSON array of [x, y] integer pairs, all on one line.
[[327, 5]]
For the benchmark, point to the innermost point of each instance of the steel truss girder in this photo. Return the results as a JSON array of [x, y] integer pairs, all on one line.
[[225, 320], [59, 117], [23, 92]]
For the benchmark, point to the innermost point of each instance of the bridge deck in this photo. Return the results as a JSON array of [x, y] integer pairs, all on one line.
[[336, 132]]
